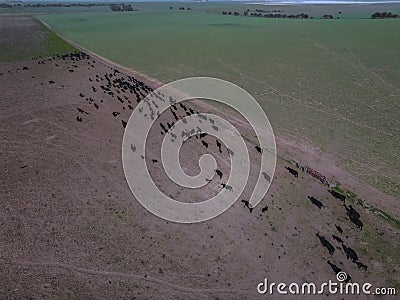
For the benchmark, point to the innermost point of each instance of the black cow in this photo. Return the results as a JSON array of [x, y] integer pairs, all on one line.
[[204, 144], [115, 113], [293, 172], [354, 216], [339, 229], [358, 223], [163, 127], [326, 244], [227, 187], [219, 146], [265, 208], [182, 105], [78, 118], [266, 176], [316, 202], [337, 238], [352, 211], [203, 135], [123, 123], [247, 204], [336, 269], [175, 116], [337, 195], [219, 173], [350, 253], [259, 150], [360, 265]]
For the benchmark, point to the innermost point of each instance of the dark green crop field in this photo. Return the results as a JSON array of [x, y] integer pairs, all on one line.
[[333, 84]]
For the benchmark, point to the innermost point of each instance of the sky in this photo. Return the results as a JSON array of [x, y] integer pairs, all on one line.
[[250, 1], [198, 1]]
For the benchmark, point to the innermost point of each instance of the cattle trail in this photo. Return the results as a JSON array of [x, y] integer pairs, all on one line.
[[139, 277]]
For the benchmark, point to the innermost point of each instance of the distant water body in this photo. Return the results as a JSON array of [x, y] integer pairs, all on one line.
[[291, 2]]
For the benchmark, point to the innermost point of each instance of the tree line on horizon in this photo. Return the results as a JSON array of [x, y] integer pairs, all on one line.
[[122, 7], [268, 15], [384, 15], [11, 5], [279, 14]]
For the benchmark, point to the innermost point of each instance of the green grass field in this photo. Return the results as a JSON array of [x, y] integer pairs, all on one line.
[[28, 39], [331, 83]]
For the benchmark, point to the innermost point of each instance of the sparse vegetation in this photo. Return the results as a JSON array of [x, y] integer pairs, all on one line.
[[37, 41], [55, 45]]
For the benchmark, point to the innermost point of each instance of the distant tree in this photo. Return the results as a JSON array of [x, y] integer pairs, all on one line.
[[383, 15], [121, 7], [376, 15]]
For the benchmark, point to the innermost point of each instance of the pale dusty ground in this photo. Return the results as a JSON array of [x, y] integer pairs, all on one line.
[[71, 229]]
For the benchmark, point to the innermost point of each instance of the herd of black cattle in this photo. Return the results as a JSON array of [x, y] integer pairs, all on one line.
[[353, 216], [115, 85]]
